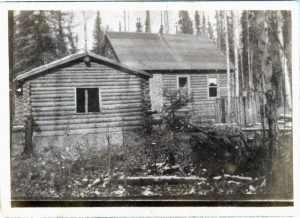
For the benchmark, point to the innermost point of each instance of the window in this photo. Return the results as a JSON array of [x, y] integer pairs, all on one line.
[[87, 100], [183, 83], [212, 87]]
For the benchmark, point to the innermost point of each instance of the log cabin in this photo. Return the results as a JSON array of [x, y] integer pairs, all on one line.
[[80, 99], [192, 62]]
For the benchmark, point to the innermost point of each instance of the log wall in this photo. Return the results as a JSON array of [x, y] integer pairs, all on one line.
[[203, 104], [51, 100]]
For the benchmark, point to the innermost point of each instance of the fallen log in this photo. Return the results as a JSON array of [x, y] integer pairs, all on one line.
[[149, 180]]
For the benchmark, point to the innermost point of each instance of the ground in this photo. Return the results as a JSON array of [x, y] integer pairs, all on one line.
[[45, 177], [164, 165]]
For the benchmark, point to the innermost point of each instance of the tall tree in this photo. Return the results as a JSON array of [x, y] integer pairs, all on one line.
[[204, 29], [236, 52], [197, 23], [139, 27], [284, 60], [219, 16], [147, 22], [269, 86], [34, 41], [228, 70], [98, 35], [59, 21], [166, 22], [185, 23], [72, 37], [120, 26], [11, 33], [210, 30]]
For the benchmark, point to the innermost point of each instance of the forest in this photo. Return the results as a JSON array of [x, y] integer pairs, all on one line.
[[250, 155]]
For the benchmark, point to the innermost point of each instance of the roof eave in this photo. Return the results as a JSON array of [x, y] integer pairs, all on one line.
[[73, 57]]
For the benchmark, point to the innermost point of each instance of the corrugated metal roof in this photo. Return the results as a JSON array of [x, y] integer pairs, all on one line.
[[150, 51]]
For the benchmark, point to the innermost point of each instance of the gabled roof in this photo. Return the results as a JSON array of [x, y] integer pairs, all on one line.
[[151, 51], [79, 56]]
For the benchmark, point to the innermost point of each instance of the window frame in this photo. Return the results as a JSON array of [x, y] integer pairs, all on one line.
[[188, 82], [217, 79], [99, 99]]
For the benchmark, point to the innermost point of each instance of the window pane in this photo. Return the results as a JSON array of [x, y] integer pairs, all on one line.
[[93, 100], [182, 82], [212, 91], [80, 100]]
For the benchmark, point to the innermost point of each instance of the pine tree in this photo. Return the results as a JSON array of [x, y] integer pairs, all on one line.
[[120, 26], [269, 87], [98, 35], [139, 25], [219, 16], [34, 41], [197, 23], [236, 52], [59, 20], [72, 38], [228, 69], [284, 59], [210, 31], [204, 29], [147, 22], [185, 23]]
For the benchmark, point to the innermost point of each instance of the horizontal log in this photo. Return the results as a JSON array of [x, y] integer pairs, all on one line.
[[72, 107], [89, 76], [88, 116], [89, 125], [57, 108], [57, 92], [53, 99], [149, 180], [83, 83], [42, 88], [109, 102], [110, 130], [87, 120], [53, 104], [108, 97], [84, 80], [63, 113], [105, 100], [52, 96], [104, 94], [93, 85]]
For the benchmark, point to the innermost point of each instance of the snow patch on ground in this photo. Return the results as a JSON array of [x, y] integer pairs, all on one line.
[[147, 192]]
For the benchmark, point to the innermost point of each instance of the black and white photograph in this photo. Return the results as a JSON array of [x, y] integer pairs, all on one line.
[[143, 107]]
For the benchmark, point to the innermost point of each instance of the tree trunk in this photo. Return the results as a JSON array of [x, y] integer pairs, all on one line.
[[29, 125], [228, 70], [283, 60], [236, 53], [270, 92]]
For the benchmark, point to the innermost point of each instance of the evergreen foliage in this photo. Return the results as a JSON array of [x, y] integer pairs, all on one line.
[[197, 23], [59, 19], [210, 31], [98, 35], [139, 26], [185, 23], [34, 43], [147, 22], [72, 37]]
